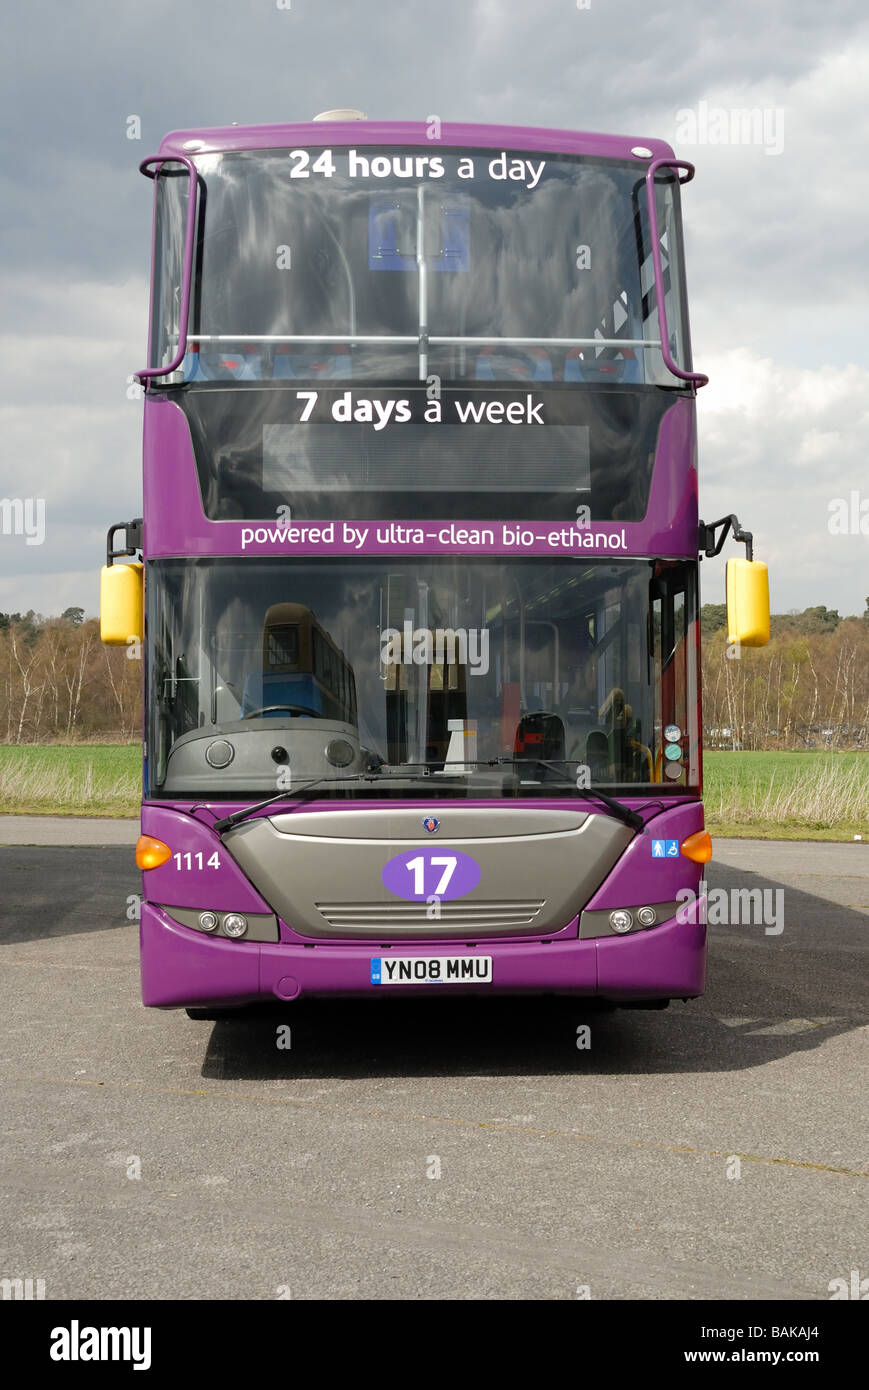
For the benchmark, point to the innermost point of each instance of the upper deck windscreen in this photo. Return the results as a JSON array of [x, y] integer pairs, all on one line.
[[474, 266]]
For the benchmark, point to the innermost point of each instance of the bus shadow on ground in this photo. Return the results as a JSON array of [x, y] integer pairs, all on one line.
[[769, 994], [56, 890]]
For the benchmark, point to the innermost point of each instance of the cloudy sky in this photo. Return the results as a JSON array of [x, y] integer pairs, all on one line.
[[775, 230]]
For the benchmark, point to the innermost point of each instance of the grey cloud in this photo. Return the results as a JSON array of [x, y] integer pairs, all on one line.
[[776, 254]]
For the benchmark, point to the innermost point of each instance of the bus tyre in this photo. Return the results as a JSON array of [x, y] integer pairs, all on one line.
[[210, 1015]]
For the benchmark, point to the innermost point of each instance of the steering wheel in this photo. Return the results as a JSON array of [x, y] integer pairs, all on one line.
[[293, 709]]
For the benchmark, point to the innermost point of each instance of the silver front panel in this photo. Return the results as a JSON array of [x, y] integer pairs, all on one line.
[[321, 871]]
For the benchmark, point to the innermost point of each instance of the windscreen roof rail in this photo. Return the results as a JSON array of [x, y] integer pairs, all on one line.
[[147, 374], [697, 379]]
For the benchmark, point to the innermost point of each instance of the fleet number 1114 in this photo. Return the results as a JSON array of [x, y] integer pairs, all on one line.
[[186, 861]]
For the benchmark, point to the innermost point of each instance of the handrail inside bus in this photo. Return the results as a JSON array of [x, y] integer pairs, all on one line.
[[422, 282], [148, 373], [697, 379], [413, 338]]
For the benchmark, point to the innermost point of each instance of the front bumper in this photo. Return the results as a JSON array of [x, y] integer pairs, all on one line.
[[181, 967]]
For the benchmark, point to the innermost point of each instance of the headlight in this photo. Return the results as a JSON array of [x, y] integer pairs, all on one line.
[[234, 924], [621, 920]]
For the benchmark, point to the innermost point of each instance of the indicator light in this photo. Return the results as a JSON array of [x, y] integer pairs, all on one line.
[[698, 847], [151, 853]]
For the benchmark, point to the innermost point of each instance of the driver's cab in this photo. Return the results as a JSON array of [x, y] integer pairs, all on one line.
[[296, 717]]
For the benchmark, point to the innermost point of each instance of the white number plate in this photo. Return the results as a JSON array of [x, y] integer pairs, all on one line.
[[431, 970]]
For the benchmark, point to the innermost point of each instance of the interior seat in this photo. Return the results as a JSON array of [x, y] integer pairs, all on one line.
[[505, 363], [330, 360], [607, 365], [243, 364]]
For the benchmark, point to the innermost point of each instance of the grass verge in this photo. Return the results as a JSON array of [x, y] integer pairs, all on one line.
[[85, 779], [782, 796], [787, 796]]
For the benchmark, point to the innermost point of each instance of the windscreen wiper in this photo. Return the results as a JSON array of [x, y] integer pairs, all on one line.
[[372, 775], [618, 808], [237, 817], [422, 773], [624, 813]]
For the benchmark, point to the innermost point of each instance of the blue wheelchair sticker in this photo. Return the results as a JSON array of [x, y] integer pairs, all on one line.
[[665, 849]]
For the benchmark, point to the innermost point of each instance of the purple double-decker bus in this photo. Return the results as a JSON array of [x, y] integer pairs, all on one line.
[[419, 556]]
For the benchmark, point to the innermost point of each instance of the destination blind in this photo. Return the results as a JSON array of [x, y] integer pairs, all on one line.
[[413, 443], [375, 451]]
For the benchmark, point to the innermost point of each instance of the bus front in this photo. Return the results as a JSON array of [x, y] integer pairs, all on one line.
[[421, 552]]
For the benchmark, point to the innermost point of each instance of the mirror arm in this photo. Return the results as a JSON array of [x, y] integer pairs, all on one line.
[[712, 545], [132, 535]]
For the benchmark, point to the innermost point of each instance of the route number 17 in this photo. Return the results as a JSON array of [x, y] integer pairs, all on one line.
[[418, 867]]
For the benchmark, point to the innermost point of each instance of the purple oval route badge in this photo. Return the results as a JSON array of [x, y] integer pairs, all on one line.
[[431, 872]]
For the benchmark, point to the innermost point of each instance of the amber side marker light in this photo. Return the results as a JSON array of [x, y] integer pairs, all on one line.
[[698, 847], [151, 853]]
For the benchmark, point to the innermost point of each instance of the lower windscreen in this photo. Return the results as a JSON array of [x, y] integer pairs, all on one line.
[[450, 672]]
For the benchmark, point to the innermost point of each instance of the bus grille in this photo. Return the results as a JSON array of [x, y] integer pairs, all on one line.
[[379, 918]]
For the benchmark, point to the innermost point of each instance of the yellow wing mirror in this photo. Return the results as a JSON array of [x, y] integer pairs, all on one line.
[[747, 584], [122, 588]]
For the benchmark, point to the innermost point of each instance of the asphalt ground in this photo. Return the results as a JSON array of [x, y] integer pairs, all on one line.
[[716, 1149]]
